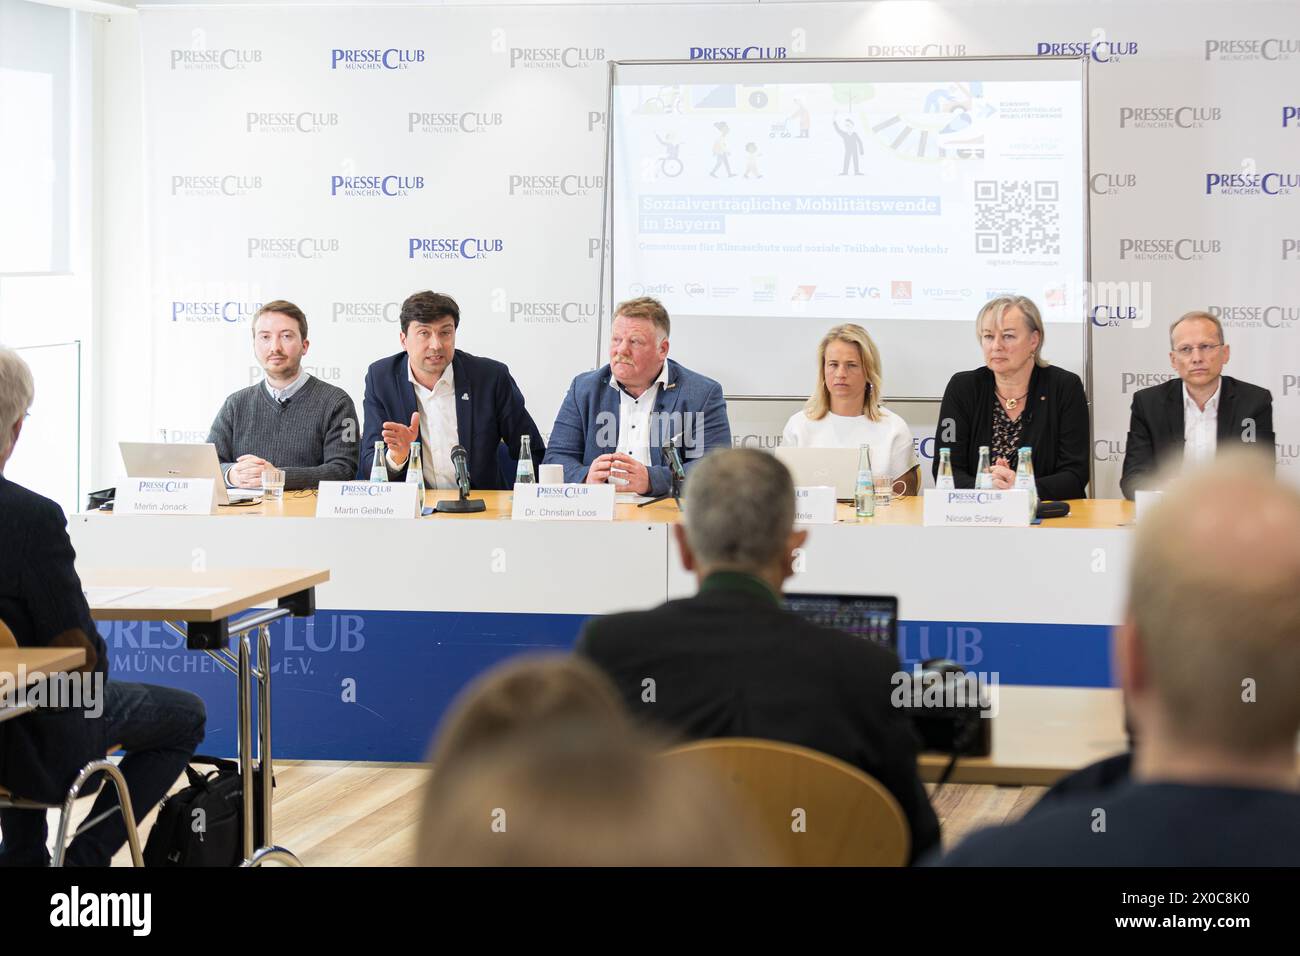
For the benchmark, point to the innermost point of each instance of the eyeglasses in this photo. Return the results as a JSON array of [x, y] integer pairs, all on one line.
[[1187, 351]]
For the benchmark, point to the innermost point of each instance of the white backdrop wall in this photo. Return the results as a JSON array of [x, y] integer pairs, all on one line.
[[248, 115]]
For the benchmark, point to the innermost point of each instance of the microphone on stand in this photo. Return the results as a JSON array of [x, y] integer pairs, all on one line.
[[673, 459], [460, 461]]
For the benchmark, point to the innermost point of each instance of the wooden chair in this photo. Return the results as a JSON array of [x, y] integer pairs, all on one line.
[[816, 810], [10, 801]]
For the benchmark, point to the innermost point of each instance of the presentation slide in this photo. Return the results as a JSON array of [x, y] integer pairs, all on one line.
[[898, 195]]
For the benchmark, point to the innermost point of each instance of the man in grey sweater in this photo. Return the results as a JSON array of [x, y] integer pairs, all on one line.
[[291, 421]]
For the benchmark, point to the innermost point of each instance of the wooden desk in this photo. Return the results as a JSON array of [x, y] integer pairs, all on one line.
[[1040, 734], [40, 660], [1084, 512], [37, 661], [240, 589], [208, 628]]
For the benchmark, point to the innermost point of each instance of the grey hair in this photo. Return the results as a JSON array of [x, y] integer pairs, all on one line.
[[16, 394], [739, 509]]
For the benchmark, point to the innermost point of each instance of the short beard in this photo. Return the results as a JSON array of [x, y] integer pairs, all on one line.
[[288, 375]]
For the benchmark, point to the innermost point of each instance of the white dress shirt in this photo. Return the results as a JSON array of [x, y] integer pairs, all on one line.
[[634, 421], [438, 433], [1200, 428], [282, 395]]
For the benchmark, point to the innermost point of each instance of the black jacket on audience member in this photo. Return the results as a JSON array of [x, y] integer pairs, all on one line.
[[732, 662], [1056, 427], [42, 603], [1156, 433], [1146, 824]]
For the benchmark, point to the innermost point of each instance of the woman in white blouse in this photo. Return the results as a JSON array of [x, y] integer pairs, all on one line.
[[845, 411]]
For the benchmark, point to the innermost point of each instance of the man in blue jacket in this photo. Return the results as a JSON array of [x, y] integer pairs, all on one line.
[[614, 421], [442, 397]]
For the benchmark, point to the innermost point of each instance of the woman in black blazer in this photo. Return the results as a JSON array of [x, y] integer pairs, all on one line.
[[1016, 399]]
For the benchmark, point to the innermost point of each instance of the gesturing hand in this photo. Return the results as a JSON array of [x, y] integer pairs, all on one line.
[[398, 438]]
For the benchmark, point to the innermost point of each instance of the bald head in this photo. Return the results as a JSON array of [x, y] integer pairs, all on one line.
[[1215, 601]]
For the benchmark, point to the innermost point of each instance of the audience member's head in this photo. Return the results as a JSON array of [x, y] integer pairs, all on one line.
[[16, 394], [529, 693], [1209, 655], [595, 796], [740, 517]]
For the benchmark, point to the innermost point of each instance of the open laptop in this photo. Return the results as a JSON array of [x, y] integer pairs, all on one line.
[[837, 467], [871, 617], [147, 459]]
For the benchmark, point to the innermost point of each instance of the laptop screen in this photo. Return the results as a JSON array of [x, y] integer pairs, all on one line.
[[872, 618]]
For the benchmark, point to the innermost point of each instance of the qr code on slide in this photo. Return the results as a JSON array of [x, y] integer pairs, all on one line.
[[1017, 216]]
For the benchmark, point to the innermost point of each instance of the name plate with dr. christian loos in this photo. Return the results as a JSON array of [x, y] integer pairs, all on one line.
[[368, 499], [814, 504], [563, 503], [166, 496], [968, 508]]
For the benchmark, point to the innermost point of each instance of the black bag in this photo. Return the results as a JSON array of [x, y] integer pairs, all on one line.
[[177, 837]]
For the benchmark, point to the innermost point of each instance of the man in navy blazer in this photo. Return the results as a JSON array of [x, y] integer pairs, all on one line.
[[615, 421], [443, 397]]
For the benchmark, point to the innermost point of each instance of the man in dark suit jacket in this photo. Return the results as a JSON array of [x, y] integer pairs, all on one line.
[[1212, 703], [732, 662], [443, 397], [41, 602], [1196, 413]]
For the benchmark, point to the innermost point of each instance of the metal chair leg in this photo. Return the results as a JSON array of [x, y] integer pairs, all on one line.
[[272, 854], [123, 805]]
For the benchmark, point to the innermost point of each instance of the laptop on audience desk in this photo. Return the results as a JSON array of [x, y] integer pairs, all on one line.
[[810, 467], [146, 459], [872, 618]]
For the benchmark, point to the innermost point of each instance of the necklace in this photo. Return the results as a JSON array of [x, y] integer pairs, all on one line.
[[1011, 403]]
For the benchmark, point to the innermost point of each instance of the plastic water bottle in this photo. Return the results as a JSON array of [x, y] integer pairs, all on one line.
[[524, 474], [864, 493], [379, 470], [984, 473], [1025, 478], [415, 476], [945, 480]]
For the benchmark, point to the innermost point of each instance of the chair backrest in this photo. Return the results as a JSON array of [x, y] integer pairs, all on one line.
[[7, 638], [816, 810]]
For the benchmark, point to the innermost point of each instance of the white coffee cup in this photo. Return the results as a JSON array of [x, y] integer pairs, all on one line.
[[550, 475]]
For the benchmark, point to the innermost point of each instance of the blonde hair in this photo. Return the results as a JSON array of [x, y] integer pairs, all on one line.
[[649, 308], [1213, 598], [524, 694], [997, 308], [819, 403], [592, 797]]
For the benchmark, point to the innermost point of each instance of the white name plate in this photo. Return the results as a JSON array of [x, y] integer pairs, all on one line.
[[367, 499], [1144, 501], [969, 508], [814, 504], [578, 502], [165, 496]]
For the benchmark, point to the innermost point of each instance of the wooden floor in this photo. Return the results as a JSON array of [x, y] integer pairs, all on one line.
[[363, 814]]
